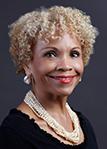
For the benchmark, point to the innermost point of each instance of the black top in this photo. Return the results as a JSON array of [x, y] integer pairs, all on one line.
[[18, 131]]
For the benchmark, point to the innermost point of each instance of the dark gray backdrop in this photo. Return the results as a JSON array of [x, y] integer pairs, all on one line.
[[90, 96]]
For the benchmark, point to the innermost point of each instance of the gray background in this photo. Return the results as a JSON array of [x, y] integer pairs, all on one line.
[[90, 96]]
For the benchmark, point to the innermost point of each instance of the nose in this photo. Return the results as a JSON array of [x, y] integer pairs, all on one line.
[[64, 64]]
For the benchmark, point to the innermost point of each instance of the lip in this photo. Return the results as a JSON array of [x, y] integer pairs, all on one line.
[[64, 79]]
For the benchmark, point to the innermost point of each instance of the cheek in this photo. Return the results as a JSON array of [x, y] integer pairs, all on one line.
[[43, 68], [79, 67]]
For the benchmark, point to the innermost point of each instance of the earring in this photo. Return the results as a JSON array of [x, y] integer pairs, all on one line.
[[27, 79], [80, 80]]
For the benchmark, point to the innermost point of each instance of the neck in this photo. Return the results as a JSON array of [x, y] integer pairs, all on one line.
[[52, 103], [57, 124]]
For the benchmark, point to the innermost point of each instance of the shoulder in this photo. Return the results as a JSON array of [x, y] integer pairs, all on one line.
[[18, 122], [87, 130], [84, 122], [13, 130], [14, 119]]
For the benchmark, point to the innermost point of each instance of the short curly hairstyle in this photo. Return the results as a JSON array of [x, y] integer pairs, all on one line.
[[46, 24]]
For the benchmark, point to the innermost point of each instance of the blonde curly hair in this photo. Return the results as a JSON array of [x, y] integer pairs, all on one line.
[[47, 24]]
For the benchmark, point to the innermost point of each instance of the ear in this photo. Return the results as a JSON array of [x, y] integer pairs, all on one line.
[[27, 69]]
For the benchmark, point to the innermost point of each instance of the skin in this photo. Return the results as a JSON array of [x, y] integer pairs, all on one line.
[[56, 69]]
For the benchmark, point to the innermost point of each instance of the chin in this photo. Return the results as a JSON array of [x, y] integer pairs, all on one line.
[[64, 92]]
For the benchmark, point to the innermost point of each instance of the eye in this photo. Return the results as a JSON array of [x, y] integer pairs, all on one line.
[[50, 54], [75, 53]]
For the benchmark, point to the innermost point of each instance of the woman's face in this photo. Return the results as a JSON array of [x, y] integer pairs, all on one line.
[[57, 66]]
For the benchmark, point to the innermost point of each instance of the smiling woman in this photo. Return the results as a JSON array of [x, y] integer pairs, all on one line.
[[51, 47], [61, 67]]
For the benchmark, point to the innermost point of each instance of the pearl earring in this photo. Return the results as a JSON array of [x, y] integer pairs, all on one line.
[[80, 80], [27, 79]]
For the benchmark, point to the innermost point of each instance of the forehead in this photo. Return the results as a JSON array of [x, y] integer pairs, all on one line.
[[65, 41]]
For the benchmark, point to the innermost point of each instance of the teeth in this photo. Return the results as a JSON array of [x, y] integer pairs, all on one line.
[[65, 79]]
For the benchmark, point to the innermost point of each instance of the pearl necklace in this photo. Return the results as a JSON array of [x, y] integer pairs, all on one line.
[[75, 137]]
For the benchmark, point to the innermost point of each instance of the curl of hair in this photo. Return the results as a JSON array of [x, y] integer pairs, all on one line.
[[48, 24]]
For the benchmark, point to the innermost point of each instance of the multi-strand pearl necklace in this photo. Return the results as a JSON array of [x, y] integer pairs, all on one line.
[[75, 137]]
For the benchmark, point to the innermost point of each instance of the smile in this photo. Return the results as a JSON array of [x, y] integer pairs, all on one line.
[[63, 79]]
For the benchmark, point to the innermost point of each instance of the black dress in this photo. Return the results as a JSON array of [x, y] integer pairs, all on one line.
[[17, 131]]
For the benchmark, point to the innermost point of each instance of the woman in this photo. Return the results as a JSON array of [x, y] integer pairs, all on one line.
[[51, 47]]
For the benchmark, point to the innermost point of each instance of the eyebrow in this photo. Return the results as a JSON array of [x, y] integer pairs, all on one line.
[[49, 48], [76, 47]]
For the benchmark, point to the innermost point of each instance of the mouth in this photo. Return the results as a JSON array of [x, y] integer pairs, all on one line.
[[64, 79]]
